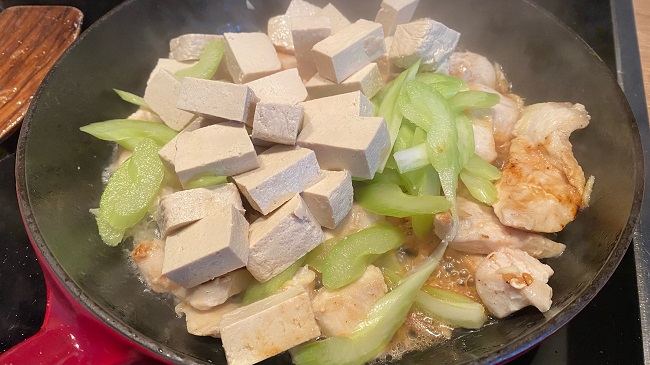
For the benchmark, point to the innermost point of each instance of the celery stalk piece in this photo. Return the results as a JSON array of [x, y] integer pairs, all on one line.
[[480, 188], [205, 181], [448, 86], [208, 62], [419, 136], [130, 191], [390, 176], [466, 143], [389, 200], [391, 268], [473, 99], [412, 158], [479, 167], [131, 98], [451, 308], [316, 257], [376, 331], [404, 137], [350, 256], [422, 225], [411, 105], [258, 291], [128, 133]]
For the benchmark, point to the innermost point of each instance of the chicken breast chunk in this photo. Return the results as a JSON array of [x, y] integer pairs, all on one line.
[[206, 322], [508, 280], [473, 67], [149, 256], [481, 232], [542, 184], [503, 116]]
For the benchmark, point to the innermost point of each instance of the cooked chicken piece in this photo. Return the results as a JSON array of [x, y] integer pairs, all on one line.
[[206, 323], [216, 291], [508, 280], [481, 232], [357, 219], [484, 145], [503, 85], [303, 277], [338, 312], [149, 256], [542, 184], [503, 116], [473, 67], [146, 115]]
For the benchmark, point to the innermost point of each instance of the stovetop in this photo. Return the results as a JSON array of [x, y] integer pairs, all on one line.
[[615, 309]]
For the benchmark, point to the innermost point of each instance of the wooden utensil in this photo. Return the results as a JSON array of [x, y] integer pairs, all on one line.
[[31, 39]]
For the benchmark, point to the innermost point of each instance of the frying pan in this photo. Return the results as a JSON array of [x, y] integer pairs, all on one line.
[[99, 310]]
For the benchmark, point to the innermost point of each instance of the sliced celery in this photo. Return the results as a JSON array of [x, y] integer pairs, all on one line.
[[350, 256], [128, 133], [316, 257], [419, 136], [481, 189], [465, 139], [448, 86], [390, 176], [131, 98], [473, 99], [481, 168], [391, 268], [389, 200], [208, 62], [205, 181], [258, 291], [422, 225], [404, 137], [412, 158], [413, 107], [130, 191], [451, 308]]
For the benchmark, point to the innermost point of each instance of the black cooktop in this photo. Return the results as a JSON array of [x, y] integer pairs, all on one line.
[[615, 309]]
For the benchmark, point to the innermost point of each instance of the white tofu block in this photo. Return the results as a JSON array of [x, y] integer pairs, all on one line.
[[424, 39], [250, 56], [306, 32], [168, 152], [339, 56], [353, 104], [188, 206], [169, 65], [337, 19], [218, 290], [277, 123], [279, 30], [279, 239], [330, 199], [387, 69], [301, 8], [368, 80], [283, 172], [216, 99], [268, 327], [161, 95], [211, 247], [282, 87], [394, 12], [222, 149], [188, 47], [288, 61], [356, 144]]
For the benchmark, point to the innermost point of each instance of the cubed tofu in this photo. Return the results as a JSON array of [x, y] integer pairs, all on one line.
[[283, 172], [211, 247], [167, 152], [357, 219], [301, 8], [394, 12], [339, 56], [368, 80], [337, 19], [161, 95], [282, 87], [356, 144], [222, 149], [281, 238], [338, 312], [169, 65], [250, 56], [387, 69], [206, 322], [306, 31], [187, 206], [268, 327], [351, 104], [288, 61], [424, 39], [188, 47], [218, 290], [216, 99], [330, 199], [279, 30], [276, 122]]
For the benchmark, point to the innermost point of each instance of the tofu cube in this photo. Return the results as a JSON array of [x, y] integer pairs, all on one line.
[[279, 239], [268, 327], [368, 80], [279, 30], [283, 172], [168, 152], [301, 8], [211, 247], [187, 206], [188, 47], [161, 94], [330, 199], [306, 32], [282, 87], [216, 99], [356, 144], [424, 39], [222, 149], [170, 65], [288, 61], [352, 104], [277, 123], [394, 12], [337, 19], [387, 69], [339, 56], [250, 56]]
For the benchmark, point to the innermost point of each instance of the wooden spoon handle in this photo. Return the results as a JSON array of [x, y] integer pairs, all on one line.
[[31, 39]]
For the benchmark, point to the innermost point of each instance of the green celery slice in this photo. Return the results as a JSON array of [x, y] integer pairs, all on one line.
[[258, 291], [481, 168], [451, 308], [419, 136], [422, 225], [391, 268], [480, 188], [473, 99], [390, 176], [208, 62], [131, 98], [466, 143], [351, 255], [404, 137], [205, 181], [448, 86], [389, 200], [128, 133], [316, 258]]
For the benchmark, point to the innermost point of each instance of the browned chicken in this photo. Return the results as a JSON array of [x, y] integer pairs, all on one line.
[[473, 67]]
